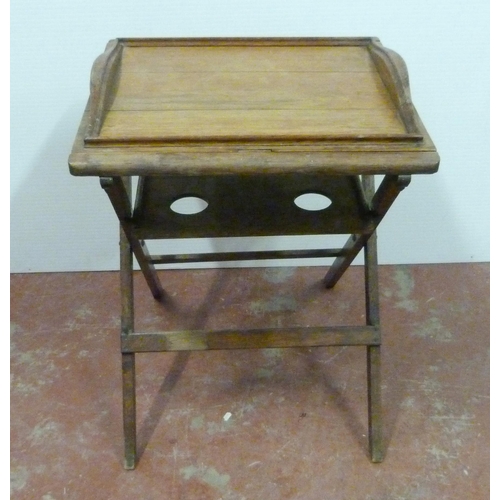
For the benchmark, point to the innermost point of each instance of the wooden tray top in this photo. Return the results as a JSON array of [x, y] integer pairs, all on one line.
[[215, 95]]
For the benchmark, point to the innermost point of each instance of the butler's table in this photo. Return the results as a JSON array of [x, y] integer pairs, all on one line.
[[248, 127]]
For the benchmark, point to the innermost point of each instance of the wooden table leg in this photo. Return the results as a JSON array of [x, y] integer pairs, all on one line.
[[375, 430], [373, 359], [129, 424], [128, 359]]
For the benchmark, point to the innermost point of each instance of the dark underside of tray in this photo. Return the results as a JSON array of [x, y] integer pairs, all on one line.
[[256, 205]]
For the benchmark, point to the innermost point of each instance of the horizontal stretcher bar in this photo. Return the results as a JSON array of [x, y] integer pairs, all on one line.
[[257, 255], [201, 340]]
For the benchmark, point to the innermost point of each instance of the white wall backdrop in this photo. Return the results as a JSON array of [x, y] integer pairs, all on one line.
[[63, 223]]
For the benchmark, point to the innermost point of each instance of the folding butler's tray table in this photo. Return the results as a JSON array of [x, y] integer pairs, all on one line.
[[248, 126]]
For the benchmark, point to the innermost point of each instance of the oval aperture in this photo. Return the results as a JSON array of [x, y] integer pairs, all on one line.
[[312, 202], [189, 205]]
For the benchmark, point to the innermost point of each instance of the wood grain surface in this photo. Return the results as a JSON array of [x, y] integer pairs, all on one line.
[[250, 93], [190, 106]]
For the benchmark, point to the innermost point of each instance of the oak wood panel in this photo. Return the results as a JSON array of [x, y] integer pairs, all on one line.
[[392, 70], [216, 125], [264, 90], [104, 81], [347, 153], [263, 206], [248, 58], [167, 94], [248, 161]]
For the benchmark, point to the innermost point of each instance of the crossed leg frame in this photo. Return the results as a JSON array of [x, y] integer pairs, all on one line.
[[378, 202]]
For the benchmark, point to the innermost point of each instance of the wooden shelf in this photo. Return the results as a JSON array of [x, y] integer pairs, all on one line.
[[248, 206]]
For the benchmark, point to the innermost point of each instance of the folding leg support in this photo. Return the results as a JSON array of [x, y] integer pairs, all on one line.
[[372, 319], [127, 327], [373, 352], [128, 359], [369, 335], [119, 194], [379, 202]]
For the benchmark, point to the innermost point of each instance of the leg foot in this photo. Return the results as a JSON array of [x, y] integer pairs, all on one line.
[[374, 405], [129, 463], [129, 425]]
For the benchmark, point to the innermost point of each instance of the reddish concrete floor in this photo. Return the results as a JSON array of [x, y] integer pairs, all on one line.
[[295, 425]]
